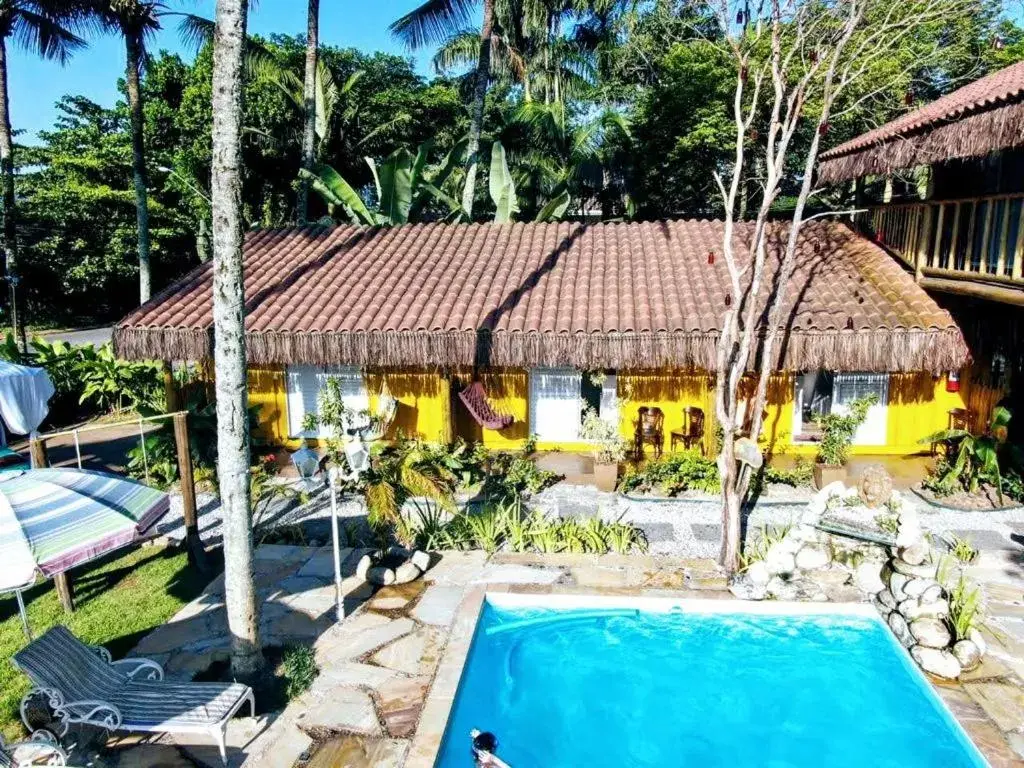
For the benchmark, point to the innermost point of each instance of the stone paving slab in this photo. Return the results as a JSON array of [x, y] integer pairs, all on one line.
[[1002, 702], [437, 605]]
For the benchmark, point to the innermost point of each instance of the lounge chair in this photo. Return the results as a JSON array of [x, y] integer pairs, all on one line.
[[82, 684], [41, 749]]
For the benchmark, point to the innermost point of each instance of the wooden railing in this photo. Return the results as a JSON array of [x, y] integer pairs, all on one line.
[[974, 238]]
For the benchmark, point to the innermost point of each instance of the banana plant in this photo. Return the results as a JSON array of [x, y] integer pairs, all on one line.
[[404, 185], [503, 192], [978, 457]]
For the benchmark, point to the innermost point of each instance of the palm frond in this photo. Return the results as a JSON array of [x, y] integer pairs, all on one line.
[[45, 36], [432, 22], [196, 31], [461, 49]]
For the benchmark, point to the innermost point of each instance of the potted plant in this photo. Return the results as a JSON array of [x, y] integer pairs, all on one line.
[[609, 448], [837, 432]]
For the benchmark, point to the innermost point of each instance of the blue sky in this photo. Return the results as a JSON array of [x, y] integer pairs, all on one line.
[[37, 85]]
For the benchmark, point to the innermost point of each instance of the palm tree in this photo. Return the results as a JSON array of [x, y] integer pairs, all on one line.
[[433, 23], [229, 338], [43, 27], [309, 106], [137, 21]]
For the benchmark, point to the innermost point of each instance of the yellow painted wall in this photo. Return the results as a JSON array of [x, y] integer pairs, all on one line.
[[918, 406], [670, 391], [423, 399], [267, 389]]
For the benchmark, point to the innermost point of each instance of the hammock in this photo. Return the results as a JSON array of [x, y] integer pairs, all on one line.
[[475, 399]]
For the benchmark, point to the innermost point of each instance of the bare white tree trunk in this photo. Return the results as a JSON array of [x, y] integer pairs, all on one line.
[[309, 106], [229, 339], [8, 211], [476, 123], [798, 52], [133, 66]]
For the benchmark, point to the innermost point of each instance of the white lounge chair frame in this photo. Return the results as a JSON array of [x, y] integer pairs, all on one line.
[[47, 750], [106, 715]]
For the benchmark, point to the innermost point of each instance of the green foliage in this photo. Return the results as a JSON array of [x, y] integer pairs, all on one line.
[[406, 189], [672, 474], [966, 608], [299, 669], [510, 526], [762, 541], [401, 472], [610, 447], [502, 187], [961, 548], [838, 431], [973, 460], [154, 460]]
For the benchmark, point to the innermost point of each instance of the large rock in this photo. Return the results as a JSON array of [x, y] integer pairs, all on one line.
[[967, 653], [931, 633], [875, 487], [809, 558], [901, 629], [917, 587], [745, 589], [758, 573], [779, 560], [868, 577], [936, 662], [916, 554], [896, 583], [909, 531], [922, 571], [936, 609], [886, 600], [933, 594]]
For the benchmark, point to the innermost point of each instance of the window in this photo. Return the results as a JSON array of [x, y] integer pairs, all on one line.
[[558, 397], [819, 393], [304, 383]]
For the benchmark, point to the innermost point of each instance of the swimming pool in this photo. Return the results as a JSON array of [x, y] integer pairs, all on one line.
[[596, 682]]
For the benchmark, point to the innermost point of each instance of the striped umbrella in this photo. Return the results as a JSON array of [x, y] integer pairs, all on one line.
[[54, 519]]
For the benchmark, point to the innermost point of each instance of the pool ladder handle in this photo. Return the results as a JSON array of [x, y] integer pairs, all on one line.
[[485, 759]]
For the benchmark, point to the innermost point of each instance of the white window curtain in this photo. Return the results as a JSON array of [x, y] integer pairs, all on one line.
[[555, 404], [609, 411], [306, 381], [848, 387]]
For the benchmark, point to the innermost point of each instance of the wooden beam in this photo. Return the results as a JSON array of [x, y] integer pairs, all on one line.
[[1004, 294], [193, 544], [65, 591], [37, 451]]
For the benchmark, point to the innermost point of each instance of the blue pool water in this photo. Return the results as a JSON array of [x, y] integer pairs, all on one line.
[[599, 688]]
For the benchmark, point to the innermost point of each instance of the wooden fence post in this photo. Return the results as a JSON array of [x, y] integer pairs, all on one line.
[[193, 544]]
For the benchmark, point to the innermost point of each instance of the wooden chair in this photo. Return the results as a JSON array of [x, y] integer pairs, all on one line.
[[650, 430], [958, 418], [692, 432]]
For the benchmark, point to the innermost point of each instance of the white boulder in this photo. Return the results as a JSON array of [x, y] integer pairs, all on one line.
[[937, 609], [967, 653], [979, 640], [758, 573], [810, 558], [931, 633], [936, 662], [901, 629], [868, 577], [779, 560], [896, 583]]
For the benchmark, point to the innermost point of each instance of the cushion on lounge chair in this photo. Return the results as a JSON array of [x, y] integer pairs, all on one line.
[[60, 660], [147, 705]]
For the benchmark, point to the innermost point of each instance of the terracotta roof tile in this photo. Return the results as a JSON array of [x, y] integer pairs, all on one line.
[[611, 294]]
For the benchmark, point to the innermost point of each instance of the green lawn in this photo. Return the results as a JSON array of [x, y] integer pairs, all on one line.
[[119, 599]]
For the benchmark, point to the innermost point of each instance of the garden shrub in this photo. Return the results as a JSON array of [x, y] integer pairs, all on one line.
[[673, 474]]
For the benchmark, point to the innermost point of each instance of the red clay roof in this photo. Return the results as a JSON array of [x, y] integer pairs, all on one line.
[[982, 117], [591, 295], [990, 91]]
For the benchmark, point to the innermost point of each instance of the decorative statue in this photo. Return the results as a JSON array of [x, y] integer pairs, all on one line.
[[875, 486]]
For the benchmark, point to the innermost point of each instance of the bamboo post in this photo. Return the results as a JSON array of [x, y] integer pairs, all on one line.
[[170, 388], [193, 544]]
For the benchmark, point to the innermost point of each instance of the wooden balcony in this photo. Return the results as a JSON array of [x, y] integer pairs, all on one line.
[[973, 246]]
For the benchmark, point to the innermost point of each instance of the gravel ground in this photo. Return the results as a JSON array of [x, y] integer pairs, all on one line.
[[686, 526]]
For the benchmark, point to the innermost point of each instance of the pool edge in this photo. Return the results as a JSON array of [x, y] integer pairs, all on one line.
[[429, 735]]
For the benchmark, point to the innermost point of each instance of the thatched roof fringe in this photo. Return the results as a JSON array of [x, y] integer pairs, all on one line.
[[973, 136], [880, 350]]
